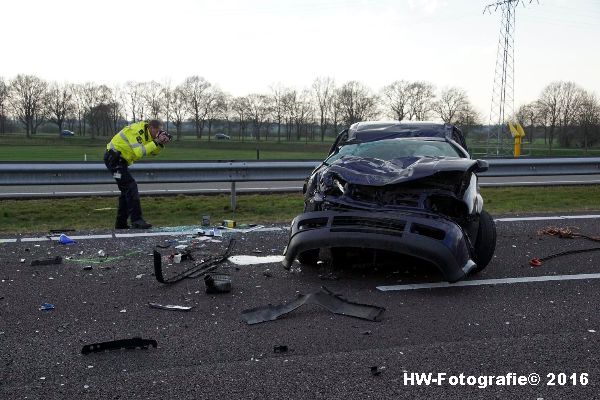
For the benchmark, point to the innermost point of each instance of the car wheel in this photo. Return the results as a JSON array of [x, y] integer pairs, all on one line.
[[309, 257], [485, 243]]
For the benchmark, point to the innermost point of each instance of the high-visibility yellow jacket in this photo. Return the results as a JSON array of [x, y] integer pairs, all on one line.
[[134, 142]]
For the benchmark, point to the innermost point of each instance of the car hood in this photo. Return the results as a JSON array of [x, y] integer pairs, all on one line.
[[376, 172]]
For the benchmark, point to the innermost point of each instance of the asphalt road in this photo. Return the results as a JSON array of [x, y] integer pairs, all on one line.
[[249, 187], [523, 328]]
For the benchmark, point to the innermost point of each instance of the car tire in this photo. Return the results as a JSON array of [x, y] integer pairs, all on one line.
[[485, 243], [309, 257]]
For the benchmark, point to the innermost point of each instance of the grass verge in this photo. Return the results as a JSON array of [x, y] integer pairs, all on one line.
[[20, 216]]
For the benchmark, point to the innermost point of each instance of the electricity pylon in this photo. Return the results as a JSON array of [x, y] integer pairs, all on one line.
[[503, 104]]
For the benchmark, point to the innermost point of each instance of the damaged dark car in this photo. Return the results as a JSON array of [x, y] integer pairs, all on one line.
[[409, 188]]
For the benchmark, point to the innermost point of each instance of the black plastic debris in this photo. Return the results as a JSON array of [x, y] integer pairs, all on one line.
[[169, 307], [133, 343], [323, 298], [47, 261], [199, 268], [376, 371], [280, 349], [217, 283]]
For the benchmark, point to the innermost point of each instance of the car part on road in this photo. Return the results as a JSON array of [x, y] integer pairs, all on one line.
[[46, 307], [217, 283], [47, 261], [199, 269], [169, 307], [64, 239], [133, 343], [323, 298], [536, 262], [280, 349]]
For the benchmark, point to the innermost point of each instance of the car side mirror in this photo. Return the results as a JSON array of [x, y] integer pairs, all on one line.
[[482, 166]]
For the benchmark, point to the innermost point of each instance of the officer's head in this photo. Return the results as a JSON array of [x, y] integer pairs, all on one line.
[[154, 126]]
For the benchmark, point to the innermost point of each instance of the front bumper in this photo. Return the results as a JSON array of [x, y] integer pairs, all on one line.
[[418, 234]]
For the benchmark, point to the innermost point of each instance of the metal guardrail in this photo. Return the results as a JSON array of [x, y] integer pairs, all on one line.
[[32, 174], [252, 171]]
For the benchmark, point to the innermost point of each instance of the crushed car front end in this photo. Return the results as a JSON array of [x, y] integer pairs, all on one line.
[[414, 196]]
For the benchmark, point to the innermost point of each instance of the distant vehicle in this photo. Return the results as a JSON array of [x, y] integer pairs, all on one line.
[[222, 136], [67, 133]]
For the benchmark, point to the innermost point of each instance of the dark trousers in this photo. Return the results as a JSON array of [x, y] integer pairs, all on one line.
[[129, 200]]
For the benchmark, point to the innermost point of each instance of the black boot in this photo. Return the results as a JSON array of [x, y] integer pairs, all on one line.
[[140, 224]]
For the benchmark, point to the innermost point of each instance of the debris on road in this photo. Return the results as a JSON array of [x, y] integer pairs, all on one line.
[[267, 272], [133, 343], [101, 253], [47, 261], [280, 349], [64, 239], [217, 283], [324, 298], [46, 307], [169, 307], [251, 260], [536, 262], [87, 268], [376, 371], [198, 269]]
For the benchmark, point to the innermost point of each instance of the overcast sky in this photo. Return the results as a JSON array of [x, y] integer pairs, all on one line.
[[245, 46]]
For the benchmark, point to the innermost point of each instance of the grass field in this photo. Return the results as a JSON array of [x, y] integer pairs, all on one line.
[[45, 147], [99, 213]]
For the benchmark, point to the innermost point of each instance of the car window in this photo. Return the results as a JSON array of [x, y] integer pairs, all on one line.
[[396, 148]]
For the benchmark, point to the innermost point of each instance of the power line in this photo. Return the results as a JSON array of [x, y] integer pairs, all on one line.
[[503, 92]]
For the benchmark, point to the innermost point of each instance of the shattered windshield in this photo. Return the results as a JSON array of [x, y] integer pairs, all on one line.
[[390, 149]]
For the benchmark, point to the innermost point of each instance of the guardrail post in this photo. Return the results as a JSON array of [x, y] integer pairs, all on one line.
[[233, 197]]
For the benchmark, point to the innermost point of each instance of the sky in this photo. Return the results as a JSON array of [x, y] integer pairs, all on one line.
[[248, 46]]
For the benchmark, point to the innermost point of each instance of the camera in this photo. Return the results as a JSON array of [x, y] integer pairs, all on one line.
[[166, 133]]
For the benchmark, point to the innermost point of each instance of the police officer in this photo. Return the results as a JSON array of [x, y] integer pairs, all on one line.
[[129, 145]]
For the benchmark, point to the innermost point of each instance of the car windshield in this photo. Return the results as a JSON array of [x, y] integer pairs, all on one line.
[[390, 149]]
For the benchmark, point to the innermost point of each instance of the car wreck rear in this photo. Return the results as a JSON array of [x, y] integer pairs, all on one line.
[[409, 188]]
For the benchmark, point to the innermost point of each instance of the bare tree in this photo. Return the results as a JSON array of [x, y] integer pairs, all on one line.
[[324, 89], [166, 100], [152, 94], [357, 102], [549, 105], [588, 117], [116, 107], [135, 100], [421, 96], [28, 99], [450, 103], [3, 105], [259, 108], [467, 117], [527, 115], [395, 98], [242, 110], [196, 90], [216, 108], [179, 107], [60, 104], [570, 100], [278, 94]]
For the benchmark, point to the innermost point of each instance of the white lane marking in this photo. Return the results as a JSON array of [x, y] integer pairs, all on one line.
[[39, 239], [500, 281], [151, 234], [8, 240], [547, 218], [251, 260], [83, 237]]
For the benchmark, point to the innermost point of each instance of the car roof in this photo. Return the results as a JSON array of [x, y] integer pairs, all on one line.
[[370, 131]]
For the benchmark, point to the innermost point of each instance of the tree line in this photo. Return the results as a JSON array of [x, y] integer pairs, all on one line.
[[281, 113], [564, 111]]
